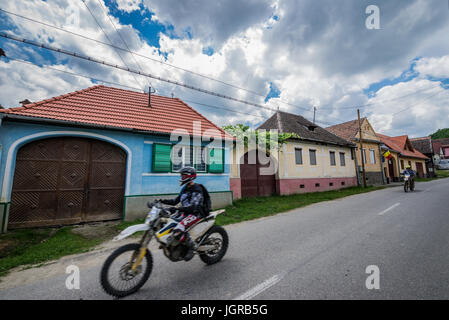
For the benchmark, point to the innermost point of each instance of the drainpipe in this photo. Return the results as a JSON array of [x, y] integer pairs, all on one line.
[[399, 166], [381, 166], [354, 152]]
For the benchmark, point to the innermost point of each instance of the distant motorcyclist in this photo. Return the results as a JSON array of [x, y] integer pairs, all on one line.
[[193, 208], [408, 171]]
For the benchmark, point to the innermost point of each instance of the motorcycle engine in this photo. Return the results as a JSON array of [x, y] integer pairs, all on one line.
[[175, 253]]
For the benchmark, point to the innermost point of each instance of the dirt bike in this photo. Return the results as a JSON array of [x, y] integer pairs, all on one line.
[[409, 184], [127, 269]]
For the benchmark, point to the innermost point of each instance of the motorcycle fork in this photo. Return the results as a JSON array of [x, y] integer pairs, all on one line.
[[143, 250]]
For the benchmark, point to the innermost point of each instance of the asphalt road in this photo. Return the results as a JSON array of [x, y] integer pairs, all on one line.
[[318, 252]]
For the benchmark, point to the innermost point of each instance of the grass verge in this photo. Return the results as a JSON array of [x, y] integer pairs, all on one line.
[[33, 246], [441, 174], [253, 208]]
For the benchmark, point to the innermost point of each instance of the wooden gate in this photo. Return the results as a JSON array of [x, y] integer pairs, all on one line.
[[254, 183], [60, 181], [391, 170], [420, 169]]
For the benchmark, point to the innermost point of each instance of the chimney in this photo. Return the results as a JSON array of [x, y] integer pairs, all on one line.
[[149, 96], [25, 102]]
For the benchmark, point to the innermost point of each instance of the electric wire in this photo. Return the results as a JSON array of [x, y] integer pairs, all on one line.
[[107, 37], [150, 58], [125, 86], [88, 58], [119, 34]]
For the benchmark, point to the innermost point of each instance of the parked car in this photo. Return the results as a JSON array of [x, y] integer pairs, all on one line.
[[443, 164]]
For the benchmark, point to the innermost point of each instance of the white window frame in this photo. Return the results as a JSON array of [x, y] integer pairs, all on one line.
[[310, 157], [340, 153], [372, 154], [302, 158], [335, 158], [194, 158]]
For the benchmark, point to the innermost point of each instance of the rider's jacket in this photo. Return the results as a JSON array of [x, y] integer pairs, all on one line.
[[410, 172], [191, 198]]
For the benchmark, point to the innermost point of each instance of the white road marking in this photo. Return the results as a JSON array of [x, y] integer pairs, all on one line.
[[260, 288], [388, 209]]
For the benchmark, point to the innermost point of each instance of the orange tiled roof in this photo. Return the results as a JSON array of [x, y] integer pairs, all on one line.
[[118, 108], [347, 130], [398, 144]]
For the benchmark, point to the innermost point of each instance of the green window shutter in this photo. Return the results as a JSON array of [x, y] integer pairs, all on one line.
[[161, 158], [216, 161]]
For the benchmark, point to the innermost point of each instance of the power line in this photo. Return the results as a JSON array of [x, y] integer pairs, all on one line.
[[107, 37], [73, 73], [123, 40], [380, 102], [186, 100], [125, 86], [218, 107], [427, 98], [88, 58], [152, 59]]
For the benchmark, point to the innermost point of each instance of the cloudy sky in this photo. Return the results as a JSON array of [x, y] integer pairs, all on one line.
[[292, 55]]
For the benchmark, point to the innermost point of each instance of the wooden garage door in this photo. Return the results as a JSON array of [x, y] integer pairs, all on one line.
[[67, 180], [420, 169], [252, 181]]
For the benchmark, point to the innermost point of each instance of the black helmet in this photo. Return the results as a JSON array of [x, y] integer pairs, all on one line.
[[187, 174]]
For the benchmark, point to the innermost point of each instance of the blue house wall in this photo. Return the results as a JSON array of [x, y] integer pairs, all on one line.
[[141, 183]]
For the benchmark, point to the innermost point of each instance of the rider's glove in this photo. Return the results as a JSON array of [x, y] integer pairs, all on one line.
[[172, 209]]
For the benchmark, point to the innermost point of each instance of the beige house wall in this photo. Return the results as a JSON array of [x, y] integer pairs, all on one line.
[[399, 168], [372, 164], [288, 169], [370, 143]]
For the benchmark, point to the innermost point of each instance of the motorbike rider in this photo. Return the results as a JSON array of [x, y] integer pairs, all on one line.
[[408, 171], [192, 208]]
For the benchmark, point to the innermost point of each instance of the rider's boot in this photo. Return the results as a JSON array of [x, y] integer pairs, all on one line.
[[191, 248]]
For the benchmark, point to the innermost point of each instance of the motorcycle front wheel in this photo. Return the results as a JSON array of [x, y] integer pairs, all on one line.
[[117, 277], [218, 237], [406, 186]]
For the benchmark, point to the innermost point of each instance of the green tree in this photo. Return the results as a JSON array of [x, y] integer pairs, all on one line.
[[241, 132], [441, 133]]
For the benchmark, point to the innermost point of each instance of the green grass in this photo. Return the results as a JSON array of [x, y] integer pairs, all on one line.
[[253, 208], [441, 174], [125, 224], [33, 246]]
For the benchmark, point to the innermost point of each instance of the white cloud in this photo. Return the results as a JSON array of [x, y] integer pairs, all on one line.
[[424, 109], [128, 5], [316, 53], [34, 83], [434, 66]]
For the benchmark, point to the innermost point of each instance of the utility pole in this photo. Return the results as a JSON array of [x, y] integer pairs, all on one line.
[[361, 150], [314, 111]]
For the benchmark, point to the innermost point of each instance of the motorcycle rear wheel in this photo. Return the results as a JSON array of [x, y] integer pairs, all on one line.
[[223, 242], [125, 272]]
